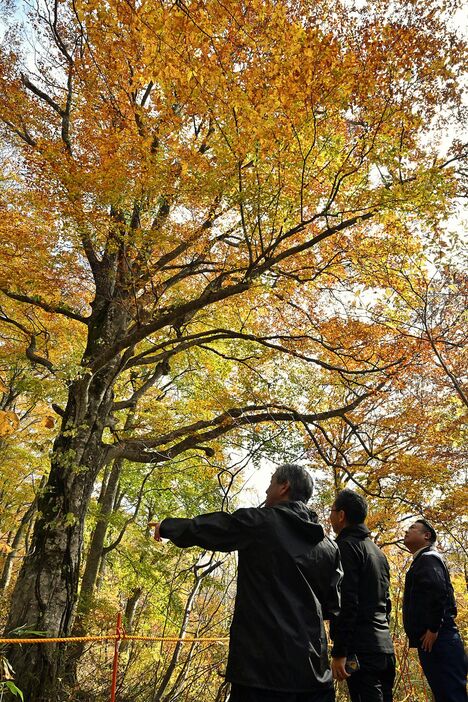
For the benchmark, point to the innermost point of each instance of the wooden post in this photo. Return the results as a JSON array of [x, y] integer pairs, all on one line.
[[115, 665]]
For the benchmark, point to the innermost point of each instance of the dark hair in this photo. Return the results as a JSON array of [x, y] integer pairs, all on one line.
[[300, 482], [353, 505], [429, 529]]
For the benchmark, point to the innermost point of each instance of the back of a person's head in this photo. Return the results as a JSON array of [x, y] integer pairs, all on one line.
[[300, 481], [353, 505]]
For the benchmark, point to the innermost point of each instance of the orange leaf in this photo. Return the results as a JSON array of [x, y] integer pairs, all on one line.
[[48, 422]]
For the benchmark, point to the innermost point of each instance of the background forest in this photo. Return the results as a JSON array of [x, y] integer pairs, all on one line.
[[231, 236]]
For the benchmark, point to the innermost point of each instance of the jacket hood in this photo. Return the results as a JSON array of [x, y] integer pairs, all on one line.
[[359, 531], [303, 518]]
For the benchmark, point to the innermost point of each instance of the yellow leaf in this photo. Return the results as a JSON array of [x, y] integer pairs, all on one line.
[[4, 548], [9, 423]]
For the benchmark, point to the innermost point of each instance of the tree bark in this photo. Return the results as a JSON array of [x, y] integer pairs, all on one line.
[[45, 594], [91, 570], [129, 614], [8, 565], [96, 546]]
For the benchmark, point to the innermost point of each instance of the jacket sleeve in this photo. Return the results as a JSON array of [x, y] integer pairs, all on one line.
[[388, 601], [218, 531], [388, 607], [430, 582], [331, 606], [343, 625]]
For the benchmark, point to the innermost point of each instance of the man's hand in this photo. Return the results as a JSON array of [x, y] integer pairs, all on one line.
[[338, 668], [156, 534], [428, 640]]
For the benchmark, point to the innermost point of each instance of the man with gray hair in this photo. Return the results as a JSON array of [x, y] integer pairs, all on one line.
[[288, 581]]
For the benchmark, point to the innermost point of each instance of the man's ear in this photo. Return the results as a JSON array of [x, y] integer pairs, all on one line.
[[284, 488], [341, 516]]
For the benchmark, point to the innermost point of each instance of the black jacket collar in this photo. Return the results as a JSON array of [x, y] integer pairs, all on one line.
[[427, 549], [359, 531]]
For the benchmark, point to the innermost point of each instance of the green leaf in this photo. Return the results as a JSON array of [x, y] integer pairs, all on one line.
[[14, 690]]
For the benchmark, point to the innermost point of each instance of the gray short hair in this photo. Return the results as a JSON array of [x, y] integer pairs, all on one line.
[[300, 481]]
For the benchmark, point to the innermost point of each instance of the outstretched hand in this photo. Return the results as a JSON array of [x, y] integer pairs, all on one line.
[[156, 534]]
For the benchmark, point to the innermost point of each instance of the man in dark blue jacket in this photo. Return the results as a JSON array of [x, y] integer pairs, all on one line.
[[429, 612], [361, 630], [288, 582]]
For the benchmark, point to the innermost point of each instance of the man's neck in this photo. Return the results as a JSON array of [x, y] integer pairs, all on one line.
[[281, 502], [344, 526], [416, 553]]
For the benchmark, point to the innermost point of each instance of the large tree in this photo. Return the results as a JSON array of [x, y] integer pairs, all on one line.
[[192, 180]]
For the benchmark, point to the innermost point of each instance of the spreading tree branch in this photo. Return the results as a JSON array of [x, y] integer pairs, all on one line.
[[35, 358], [214, 292], [140, 450], [55, 309]]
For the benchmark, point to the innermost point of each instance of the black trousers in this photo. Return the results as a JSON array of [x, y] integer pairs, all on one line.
[[373, 682], [241, 693], [445, 667]]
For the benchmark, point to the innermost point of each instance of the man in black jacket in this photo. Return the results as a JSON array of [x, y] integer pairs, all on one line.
[[288, 581], [361, 630], [429, 612]]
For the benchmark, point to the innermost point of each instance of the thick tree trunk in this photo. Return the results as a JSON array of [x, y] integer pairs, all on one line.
[[45, 593]]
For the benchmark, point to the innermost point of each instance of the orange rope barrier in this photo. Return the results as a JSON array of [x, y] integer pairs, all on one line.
[[114, 637], [187, 639], [120, 636], [111, 637]]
